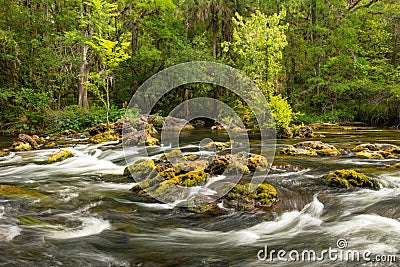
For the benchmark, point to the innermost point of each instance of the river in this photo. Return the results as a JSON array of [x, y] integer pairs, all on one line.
[[90, 218]]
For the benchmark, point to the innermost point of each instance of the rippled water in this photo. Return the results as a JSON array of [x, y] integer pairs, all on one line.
[[90, 218]]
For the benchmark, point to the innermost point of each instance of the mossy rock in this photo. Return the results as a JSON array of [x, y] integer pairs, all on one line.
[[237, 168], [3, 153], [350, 178], [186, 165], [50, 145], [172, 155], [257, 162], [264, 195], [151, 141], [141, 169], [10, 190], [369, 155], [102, 137], [377, 151], [189, 179], [191, 157], [60, 155], [28, 220], [311, 148], [20, 146], [219, 164], [397, 165], [217, 145]]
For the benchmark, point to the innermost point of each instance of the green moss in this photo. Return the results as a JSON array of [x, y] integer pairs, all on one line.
[[28, 220], [3, 153], [50, 145], [328, 152], [265, 194], [151, 141], [350, 178], [102, 137], [170, 172], [191, 157], [192, 165], [369, 155], [60, 156], [218, 145], [21, 146], [311, 148], [142, 169], [10, 190], [257, 162], [173, 155], [397, 165], [218, 164], [236, 168], [189, 179]]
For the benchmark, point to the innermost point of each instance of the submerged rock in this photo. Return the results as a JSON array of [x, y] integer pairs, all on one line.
[[60, 155], [350, 178], [10, 190], [377, 151], [311, 148]]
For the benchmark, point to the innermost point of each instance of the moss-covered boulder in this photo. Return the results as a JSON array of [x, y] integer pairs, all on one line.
[[28, 139], [397, 165], [369, 155], [311, 148], [189, 179], [103, 137], [20, 146], [141, 169], [219, 164], [172, 156], [377, 151], [60, 155], [351, 178], [13, 191], [241, 197], [4, 153], [217, 145]]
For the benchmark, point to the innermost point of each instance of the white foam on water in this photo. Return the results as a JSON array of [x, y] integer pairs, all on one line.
[[314, 208], [288, 174], [9, 232], [90, 226], [353, 202], [80, 164], [287, 225], [158, 206], [114, 186]]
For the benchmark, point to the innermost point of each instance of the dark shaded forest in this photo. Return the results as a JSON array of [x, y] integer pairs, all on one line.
[[70, 64]]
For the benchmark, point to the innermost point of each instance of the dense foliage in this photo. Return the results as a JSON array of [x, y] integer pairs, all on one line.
[[331, 61]]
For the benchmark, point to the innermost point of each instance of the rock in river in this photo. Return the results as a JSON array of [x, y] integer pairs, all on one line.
[[311, 148]]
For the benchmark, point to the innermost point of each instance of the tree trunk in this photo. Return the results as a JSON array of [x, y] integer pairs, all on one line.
[[186, 99], [83, 77]]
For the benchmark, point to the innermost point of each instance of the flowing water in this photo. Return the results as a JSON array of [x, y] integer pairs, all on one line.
[[90, 218]]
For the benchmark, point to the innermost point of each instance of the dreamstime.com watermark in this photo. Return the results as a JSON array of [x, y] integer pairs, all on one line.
[[338, 254]]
